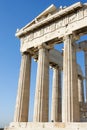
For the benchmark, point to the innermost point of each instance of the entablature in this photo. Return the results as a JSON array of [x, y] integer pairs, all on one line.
[[51, 30]]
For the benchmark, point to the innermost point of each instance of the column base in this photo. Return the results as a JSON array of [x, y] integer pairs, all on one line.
[[46, 126]]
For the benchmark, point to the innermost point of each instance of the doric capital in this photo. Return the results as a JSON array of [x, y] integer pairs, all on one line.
[[72, 36], [43, 46], [25, 53], [56, 67]]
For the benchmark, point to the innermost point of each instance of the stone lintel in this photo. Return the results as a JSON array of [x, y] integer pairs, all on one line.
[[56, 59], [57, 15], [54, 27]]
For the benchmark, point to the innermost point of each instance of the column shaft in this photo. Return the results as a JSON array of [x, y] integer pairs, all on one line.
[[22, 102], [70, 104], [80, 89], [41, 106], [85, 55], [56, 96]]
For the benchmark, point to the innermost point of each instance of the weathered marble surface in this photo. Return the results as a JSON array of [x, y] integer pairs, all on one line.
[[64, 23], [46, 126], [53, 26]]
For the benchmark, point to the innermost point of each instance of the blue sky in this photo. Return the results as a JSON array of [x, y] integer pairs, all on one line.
[[16, 14]]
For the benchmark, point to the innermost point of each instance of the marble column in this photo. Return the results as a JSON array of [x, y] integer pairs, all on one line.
[[41, 106], [85, 55], [22, 102], [80, 89], [70, 104], [56, 96]]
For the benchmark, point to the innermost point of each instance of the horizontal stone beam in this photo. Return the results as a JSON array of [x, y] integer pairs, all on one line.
[[56, 59], [58, 14], [57, 29]]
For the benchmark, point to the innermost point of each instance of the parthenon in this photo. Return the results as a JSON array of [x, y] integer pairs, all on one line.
[[68, 109]]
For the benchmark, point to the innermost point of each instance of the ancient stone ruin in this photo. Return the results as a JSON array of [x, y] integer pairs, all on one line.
[[68, 111]]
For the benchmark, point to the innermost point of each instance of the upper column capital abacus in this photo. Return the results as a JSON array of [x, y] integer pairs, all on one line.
[[25, 53], [72, 36], [43, 46], [56, 67], [66, 37]]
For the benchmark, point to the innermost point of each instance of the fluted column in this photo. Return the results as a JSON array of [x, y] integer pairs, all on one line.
[[85, 55], [70, 104], [80, 89], [41, 106], [56, 96], [22, 102]]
